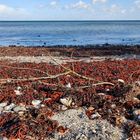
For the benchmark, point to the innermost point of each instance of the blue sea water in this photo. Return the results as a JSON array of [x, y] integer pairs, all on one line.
[[50, 33]]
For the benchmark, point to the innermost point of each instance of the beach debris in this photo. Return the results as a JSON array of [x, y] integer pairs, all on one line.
[[19, 108], [81, 137], [121, 81], [3, 104], [113, 106], [68, 85], [9, 107], [99, 103], [62, 130], [137, 114], [63, 108], [36, 103], [67, 101], [95, 115], [18, 91]]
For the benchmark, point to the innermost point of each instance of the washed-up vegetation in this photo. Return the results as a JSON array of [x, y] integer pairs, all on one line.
[[30, 95]]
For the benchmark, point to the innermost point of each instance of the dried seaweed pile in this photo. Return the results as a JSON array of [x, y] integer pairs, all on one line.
[[31, 93]]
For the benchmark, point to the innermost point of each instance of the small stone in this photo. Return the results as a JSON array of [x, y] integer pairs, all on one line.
[[63, 107], [81, 137], [19, 88], [91, 108], [42, 105], [137, 114], [21, 113], [3, 104], [17, 92], [68, 85], [113, 106], [107, 89], [121, 81], [66, 101], [36, 103], [19, 108], [9, 107], [96, 115], [136, 100]]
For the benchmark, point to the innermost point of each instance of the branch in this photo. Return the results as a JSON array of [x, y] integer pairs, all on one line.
[[75, 73], [10, 80]]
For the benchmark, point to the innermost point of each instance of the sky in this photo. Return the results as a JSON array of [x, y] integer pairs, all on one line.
[[69, 9]]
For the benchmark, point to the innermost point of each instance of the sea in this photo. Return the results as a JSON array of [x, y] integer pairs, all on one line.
[[52, 33]]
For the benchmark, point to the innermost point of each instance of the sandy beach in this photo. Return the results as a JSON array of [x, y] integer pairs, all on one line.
[[70, 93]]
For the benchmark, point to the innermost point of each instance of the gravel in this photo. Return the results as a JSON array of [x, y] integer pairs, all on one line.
[[81, 128]]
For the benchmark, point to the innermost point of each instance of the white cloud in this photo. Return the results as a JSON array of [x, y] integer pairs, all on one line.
[[137, 3], [100, 1], [12, 12], [80, 5], [115, 9], [53, 3]]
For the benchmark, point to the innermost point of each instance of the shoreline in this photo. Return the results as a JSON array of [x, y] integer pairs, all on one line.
[[75, 51]]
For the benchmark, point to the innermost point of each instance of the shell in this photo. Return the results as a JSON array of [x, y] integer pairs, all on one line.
[[3, 104], [36, 103], [17, 92], [9, 107], [19, 108], [66, 101], [121, 81]]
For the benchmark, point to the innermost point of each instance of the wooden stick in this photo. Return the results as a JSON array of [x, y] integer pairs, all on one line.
[[10, 80], [75, 73]]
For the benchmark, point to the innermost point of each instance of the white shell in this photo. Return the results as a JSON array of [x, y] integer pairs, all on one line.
[[96, 115], [36, 103], [121, 81], [66, 101], [68, 85], [19, 108], [19, 88], [17, 92], [9, 107], [136, 112], [64, 108], [3, 104]]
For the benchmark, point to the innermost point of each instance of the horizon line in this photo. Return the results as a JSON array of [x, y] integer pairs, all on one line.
[[68, 20]]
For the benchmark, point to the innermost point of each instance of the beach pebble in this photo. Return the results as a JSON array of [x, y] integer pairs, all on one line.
[[66, 101], [137, 114], [9, 107], [19, 88], [81, 137], [17, 92], [3, 104], [63, 108], [91, 108], [121, 81], [68, 85], [36, 103], [113, 106], [95, 115], [42, 105], [19, 108]]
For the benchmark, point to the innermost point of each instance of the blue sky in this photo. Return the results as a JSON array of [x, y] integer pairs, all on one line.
[[69, 9]]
